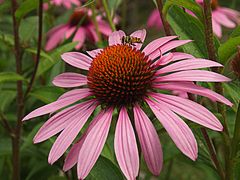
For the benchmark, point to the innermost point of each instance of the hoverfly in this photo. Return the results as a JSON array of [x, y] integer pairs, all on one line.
[[130, 40]]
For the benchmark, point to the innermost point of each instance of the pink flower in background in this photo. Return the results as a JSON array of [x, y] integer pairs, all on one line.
[[154, 20], [80, 26], [66, 3], [222, 16], [122, 78]]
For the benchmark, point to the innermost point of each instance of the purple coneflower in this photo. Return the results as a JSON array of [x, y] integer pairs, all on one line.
[[66, 3], [123, 78], [81, 26], [222, 16]]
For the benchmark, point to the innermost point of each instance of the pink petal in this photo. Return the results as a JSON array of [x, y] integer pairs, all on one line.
[[221, 18], [94, 53], [139, 34], [92, 33], [70, 80], [164, 60], [190, 110], [216, 28], [188, 65], [193, 75], [194, 89], [67, 99], [167, 47], [56, 123], [93, 144], [177, 129], [72, 157], [79, 37], [104, 28], [154, 19], [70, 31], [156, 44], [179, 56], [67, 136], [116, 38], [233, 14], [125, 146], [77, 59], [56, 37], [149, 141]]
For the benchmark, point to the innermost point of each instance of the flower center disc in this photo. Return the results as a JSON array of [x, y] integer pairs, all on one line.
[[120, 75], [214, 4]]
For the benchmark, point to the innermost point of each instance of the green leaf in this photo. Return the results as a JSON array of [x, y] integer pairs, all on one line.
[[26, 7], [46, 64], [6, 97], [188, 4], [228, 49], [104, 169], [7, 38], [232, 89], [188, 27], [10, 76], [236, 32], [47, 94], [42, 54], [28, 28]]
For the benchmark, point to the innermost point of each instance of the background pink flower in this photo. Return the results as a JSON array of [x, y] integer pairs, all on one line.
[[222, 16], [154, 20], [80, 26], [121, 76], [66, 3]]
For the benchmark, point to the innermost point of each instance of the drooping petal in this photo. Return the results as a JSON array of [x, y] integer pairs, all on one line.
[[57, 123], [194, 89], [221, 18], [139, 34], [217, 28], [67, 136], [55, 37], [149, 141], [93, 143], [125, 146], [69, 79], [67, 99], [193, 75], [156, 44], [72, 157], [179, 56], [94, 52], [177, 129], [70, 31], [116, 38], [188, 65], [190, 110], [154, 19], [92, 32], [77, 59], [79, 37], [104, 28]]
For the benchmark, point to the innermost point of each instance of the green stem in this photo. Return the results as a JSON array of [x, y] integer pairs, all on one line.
[[110, 21], [218, 86], [20, 104], [166, 26], [212, 153], [40, 22]]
